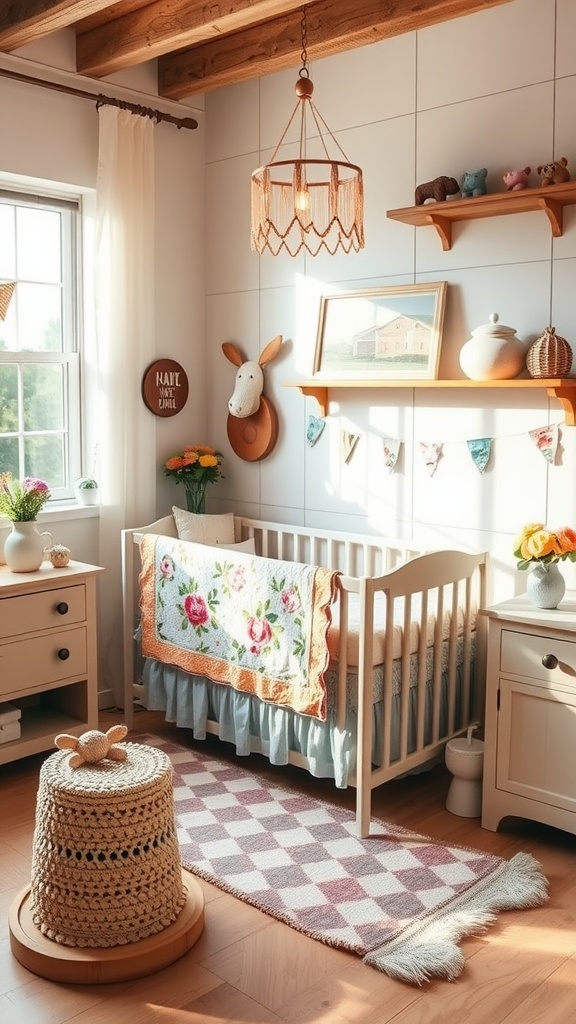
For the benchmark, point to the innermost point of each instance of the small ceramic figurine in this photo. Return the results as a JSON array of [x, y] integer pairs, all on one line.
[[59, 556], [474, 183], [516, 180], [437, 190], [554, 173]]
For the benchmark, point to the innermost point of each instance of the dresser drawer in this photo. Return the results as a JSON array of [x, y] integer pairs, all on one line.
[[44, 610], [33, 663], [522, 654]]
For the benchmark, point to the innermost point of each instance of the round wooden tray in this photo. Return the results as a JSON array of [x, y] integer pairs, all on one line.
[[91, 966]]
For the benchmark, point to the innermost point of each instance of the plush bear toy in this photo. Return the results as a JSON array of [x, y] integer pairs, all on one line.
[[474, 183], [554, 173], [437, 189], [516, 180]]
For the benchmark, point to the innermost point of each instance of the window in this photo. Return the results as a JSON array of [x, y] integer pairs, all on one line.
[[39, 360]]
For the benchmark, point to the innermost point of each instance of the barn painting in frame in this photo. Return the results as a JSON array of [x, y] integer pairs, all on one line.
[[391, 333]]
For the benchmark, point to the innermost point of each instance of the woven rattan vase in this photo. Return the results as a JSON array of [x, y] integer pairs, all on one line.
[[550, 355]]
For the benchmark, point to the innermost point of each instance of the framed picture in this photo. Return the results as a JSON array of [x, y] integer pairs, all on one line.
[[381, 333]]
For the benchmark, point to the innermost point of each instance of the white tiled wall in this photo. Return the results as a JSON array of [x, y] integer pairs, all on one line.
[[496, 89]]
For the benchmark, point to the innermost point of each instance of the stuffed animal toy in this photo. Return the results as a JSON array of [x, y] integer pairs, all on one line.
[[474, 183], [516, 180], [93, 746], [554, 173], [437, 189]]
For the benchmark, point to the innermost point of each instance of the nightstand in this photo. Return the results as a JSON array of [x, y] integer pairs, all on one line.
[[48, 653], [530, 728]]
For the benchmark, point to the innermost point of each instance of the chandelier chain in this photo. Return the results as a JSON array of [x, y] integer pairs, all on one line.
[[304, 73]]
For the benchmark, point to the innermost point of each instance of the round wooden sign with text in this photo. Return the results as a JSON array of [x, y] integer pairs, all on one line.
[[165, 387]]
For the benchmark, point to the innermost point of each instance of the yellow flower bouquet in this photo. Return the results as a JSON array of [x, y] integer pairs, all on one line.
[[539, 545]]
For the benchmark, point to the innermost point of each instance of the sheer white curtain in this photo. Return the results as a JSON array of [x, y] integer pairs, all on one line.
[[124, 304]]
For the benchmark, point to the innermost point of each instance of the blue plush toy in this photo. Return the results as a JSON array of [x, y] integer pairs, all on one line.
[[474, 183]]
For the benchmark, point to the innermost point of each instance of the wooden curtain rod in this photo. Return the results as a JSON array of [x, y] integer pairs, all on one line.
[[101, 100]]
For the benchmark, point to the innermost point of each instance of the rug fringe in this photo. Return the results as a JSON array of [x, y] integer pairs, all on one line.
[[429, 949]]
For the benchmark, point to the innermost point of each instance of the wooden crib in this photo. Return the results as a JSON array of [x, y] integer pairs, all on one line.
[[407, 657]]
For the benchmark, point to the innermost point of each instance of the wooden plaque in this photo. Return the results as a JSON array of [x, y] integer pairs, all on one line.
[[165, 387]]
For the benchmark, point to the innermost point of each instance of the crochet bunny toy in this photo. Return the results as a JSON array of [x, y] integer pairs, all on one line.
[[93, 745]]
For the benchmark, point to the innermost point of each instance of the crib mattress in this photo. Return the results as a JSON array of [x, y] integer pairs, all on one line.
[[379, 631]]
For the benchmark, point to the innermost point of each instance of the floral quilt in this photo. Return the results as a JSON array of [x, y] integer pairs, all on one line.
[[257, 624]]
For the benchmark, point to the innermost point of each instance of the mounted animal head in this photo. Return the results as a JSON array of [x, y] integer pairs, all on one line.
[[249, 381]]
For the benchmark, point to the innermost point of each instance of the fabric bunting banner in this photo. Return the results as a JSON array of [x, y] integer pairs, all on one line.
[[432, 454], [480, 450], [391, 451], [546, 440], [314, 429], [349, 442]]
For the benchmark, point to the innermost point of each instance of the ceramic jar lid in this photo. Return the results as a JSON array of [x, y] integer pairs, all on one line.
[[494, 328]]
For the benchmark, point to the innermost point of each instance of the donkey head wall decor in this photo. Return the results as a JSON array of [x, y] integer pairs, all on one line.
[[252, 421]]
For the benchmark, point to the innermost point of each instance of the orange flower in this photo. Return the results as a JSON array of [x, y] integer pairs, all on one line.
[[196, 463], [536, 543], [566, 539]]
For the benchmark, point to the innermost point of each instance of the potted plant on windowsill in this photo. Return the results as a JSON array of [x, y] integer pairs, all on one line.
[[86, 491]]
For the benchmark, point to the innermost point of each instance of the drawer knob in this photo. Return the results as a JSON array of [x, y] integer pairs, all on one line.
[[550, 661], [63, 653], [62, 608]]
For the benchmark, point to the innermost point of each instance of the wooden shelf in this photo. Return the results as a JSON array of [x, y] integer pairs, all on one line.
[[551, 200], [561, 388]]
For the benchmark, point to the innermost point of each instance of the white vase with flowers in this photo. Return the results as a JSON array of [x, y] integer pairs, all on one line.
[[540, 549]]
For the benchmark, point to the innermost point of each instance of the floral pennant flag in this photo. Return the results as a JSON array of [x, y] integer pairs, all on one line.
[[480, 450], [314, 429], [432, 454], [6, 292], [546, 440], [349, 442], [391, 451]]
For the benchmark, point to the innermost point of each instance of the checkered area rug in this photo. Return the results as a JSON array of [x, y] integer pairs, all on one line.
[[399, 900]]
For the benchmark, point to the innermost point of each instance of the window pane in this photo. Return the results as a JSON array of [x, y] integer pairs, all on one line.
[[9, 456], [7, 249], [38, 241], [43, 397], [8, 398], [44, 458], [40, 317]]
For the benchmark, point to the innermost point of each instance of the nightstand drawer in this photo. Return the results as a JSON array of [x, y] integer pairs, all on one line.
[[523, 654], [33, 663], [48, 609]]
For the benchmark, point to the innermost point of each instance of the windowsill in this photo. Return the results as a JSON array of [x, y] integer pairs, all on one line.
[[60, 513]]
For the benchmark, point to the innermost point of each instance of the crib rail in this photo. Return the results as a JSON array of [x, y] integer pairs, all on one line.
[[354, 555]]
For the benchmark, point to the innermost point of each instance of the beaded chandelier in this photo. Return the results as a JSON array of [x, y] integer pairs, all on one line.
[[307, 203]]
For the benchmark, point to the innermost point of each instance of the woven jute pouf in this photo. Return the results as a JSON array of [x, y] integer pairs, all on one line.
[[106, 865]]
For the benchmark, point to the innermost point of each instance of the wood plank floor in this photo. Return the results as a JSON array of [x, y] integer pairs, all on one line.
[[250, 969]]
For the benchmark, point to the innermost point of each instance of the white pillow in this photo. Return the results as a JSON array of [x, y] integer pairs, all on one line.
[[242, 545], [204, 529]]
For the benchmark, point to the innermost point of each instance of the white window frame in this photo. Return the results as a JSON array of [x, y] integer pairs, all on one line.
[[69, 357]]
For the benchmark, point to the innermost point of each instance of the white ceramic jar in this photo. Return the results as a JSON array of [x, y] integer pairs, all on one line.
[[493, 352]]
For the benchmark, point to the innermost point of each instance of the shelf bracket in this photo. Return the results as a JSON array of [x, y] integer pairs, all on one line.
[[443, 227], [567, 397], [554, 212], [320, 394]]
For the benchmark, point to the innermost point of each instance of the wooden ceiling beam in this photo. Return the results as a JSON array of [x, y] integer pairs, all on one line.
[[332, 26], [159, 28], [25, 21]]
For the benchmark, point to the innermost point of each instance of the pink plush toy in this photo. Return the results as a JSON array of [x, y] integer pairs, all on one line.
[[516, 180]]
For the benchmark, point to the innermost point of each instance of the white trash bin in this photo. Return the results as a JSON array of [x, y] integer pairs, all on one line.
[[465, 760]]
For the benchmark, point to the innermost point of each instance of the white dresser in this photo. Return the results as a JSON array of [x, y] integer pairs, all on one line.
[[48, 653], [530, 729]]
